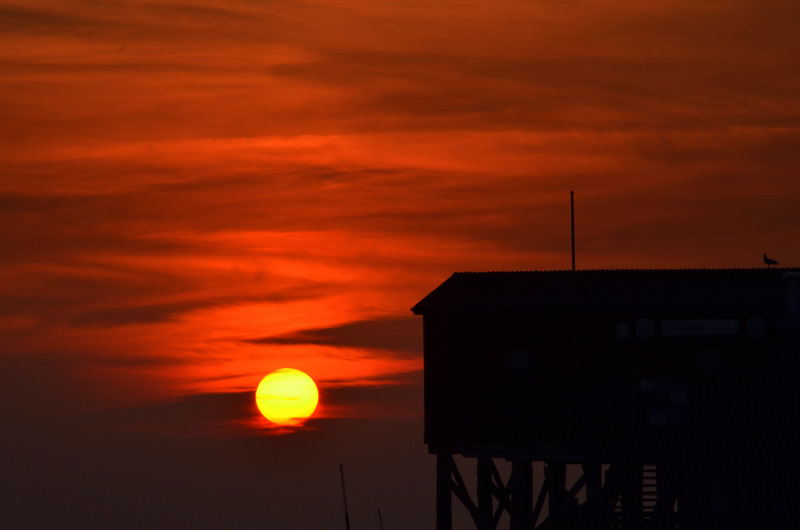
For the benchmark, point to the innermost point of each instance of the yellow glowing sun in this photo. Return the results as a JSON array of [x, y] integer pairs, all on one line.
[[287, 396]]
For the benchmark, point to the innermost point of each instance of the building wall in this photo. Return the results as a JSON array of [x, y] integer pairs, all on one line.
[[517, 379]]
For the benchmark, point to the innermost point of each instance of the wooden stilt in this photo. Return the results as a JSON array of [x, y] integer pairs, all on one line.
[[521, 485], [444, 501]]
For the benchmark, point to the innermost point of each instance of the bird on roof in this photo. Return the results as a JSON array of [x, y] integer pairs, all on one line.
[[770, 262]]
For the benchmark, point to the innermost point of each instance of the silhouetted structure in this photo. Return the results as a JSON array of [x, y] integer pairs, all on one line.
[[677, 392]]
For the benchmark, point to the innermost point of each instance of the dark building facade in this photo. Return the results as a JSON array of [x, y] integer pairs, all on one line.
[[676, 392]]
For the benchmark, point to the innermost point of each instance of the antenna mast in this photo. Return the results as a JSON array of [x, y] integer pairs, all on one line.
[[572, 225], [574, 278]]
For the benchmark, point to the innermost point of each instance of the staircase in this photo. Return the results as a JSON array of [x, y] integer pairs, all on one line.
[[646, 494]]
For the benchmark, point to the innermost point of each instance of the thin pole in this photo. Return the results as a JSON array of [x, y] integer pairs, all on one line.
[[572, 224], [380, 519], [574, 278], [344, 496]]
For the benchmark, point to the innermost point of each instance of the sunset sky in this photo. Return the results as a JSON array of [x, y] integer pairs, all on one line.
[[197, 192]]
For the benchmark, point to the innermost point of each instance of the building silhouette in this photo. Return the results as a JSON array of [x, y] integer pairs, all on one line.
[[672, 396]]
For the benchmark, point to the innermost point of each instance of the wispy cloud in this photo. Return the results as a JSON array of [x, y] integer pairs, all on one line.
[[389, 334]]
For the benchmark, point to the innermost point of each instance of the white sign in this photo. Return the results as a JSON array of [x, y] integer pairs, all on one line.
[[714, 326]]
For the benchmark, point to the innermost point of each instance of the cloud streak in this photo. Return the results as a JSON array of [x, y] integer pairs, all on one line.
[[389, 334]]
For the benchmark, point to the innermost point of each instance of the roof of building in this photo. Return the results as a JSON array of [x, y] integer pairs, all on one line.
[[763, 288]]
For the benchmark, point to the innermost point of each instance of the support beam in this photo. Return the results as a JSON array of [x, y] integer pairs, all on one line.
[[502, 494], [485, 504], [557, 483], [521, 486], [537, 510], [595, 501], [613, 502], [444, 501]]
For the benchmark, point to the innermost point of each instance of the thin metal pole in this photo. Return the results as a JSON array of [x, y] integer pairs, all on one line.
[[574, 278], [344, 496], [572, 224]]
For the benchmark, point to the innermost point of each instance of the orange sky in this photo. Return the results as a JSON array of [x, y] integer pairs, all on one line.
[[197, 192], [183, 180]]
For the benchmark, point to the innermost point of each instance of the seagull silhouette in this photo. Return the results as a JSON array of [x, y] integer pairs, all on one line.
[[769, 262]]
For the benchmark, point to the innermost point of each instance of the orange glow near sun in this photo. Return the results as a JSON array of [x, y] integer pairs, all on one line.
[[287, 396]]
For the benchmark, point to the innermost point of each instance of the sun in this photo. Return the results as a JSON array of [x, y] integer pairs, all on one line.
[[287, 396]]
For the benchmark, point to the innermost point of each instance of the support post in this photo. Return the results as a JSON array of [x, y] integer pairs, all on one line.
[[572, 225], [485, 505], [557, 492], [595, 503], [521, 494], [574, 278], [444, 501]]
